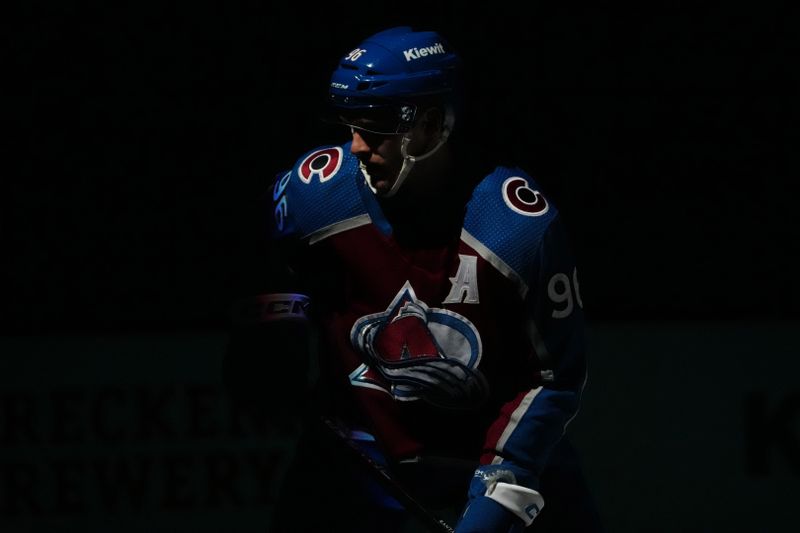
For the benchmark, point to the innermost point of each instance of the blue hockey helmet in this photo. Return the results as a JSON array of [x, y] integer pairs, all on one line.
[[379, 85]]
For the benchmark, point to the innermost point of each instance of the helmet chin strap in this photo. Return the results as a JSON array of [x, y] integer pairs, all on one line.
[[408, 160]]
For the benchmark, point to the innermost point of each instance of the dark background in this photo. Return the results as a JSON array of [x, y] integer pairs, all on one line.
[[147, 133], [141, 138]]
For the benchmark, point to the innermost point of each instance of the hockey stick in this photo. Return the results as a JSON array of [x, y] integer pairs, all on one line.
[[385, 477]]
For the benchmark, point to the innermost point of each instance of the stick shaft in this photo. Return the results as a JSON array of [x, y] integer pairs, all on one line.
[[385, 477]]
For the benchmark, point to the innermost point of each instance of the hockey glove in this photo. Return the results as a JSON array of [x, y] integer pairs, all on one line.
[[497, 504]]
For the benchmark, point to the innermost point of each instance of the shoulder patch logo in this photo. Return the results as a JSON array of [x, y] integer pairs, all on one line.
[[522, 199], [324, 163]]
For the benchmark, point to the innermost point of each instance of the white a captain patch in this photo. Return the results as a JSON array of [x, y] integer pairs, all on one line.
[[465, 283]]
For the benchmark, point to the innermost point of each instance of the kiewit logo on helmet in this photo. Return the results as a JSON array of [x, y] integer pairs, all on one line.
[[416, 53]]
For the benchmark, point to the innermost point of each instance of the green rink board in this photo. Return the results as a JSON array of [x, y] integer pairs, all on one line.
[[684, 427]]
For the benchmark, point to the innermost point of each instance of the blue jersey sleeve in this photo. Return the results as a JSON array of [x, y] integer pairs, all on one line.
[[318, 197], [534, 421], [529, 426]]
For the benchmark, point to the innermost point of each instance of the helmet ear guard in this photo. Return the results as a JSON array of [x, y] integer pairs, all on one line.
[[409, 160]]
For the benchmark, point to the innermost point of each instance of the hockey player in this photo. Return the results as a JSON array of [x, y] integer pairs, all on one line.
[[446, 304]]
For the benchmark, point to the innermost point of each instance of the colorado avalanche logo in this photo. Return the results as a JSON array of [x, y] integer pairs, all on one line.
[[323, 163], [522, 199], [420, 353]]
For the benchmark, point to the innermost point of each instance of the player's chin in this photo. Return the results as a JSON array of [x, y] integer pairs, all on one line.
[[381, 185]]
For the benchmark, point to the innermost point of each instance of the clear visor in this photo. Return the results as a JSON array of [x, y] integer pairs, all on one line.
[[382, 119]]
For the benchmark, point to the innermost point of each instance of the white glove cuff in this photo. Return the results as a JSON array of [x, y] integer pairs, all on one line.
[[522, 501]]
